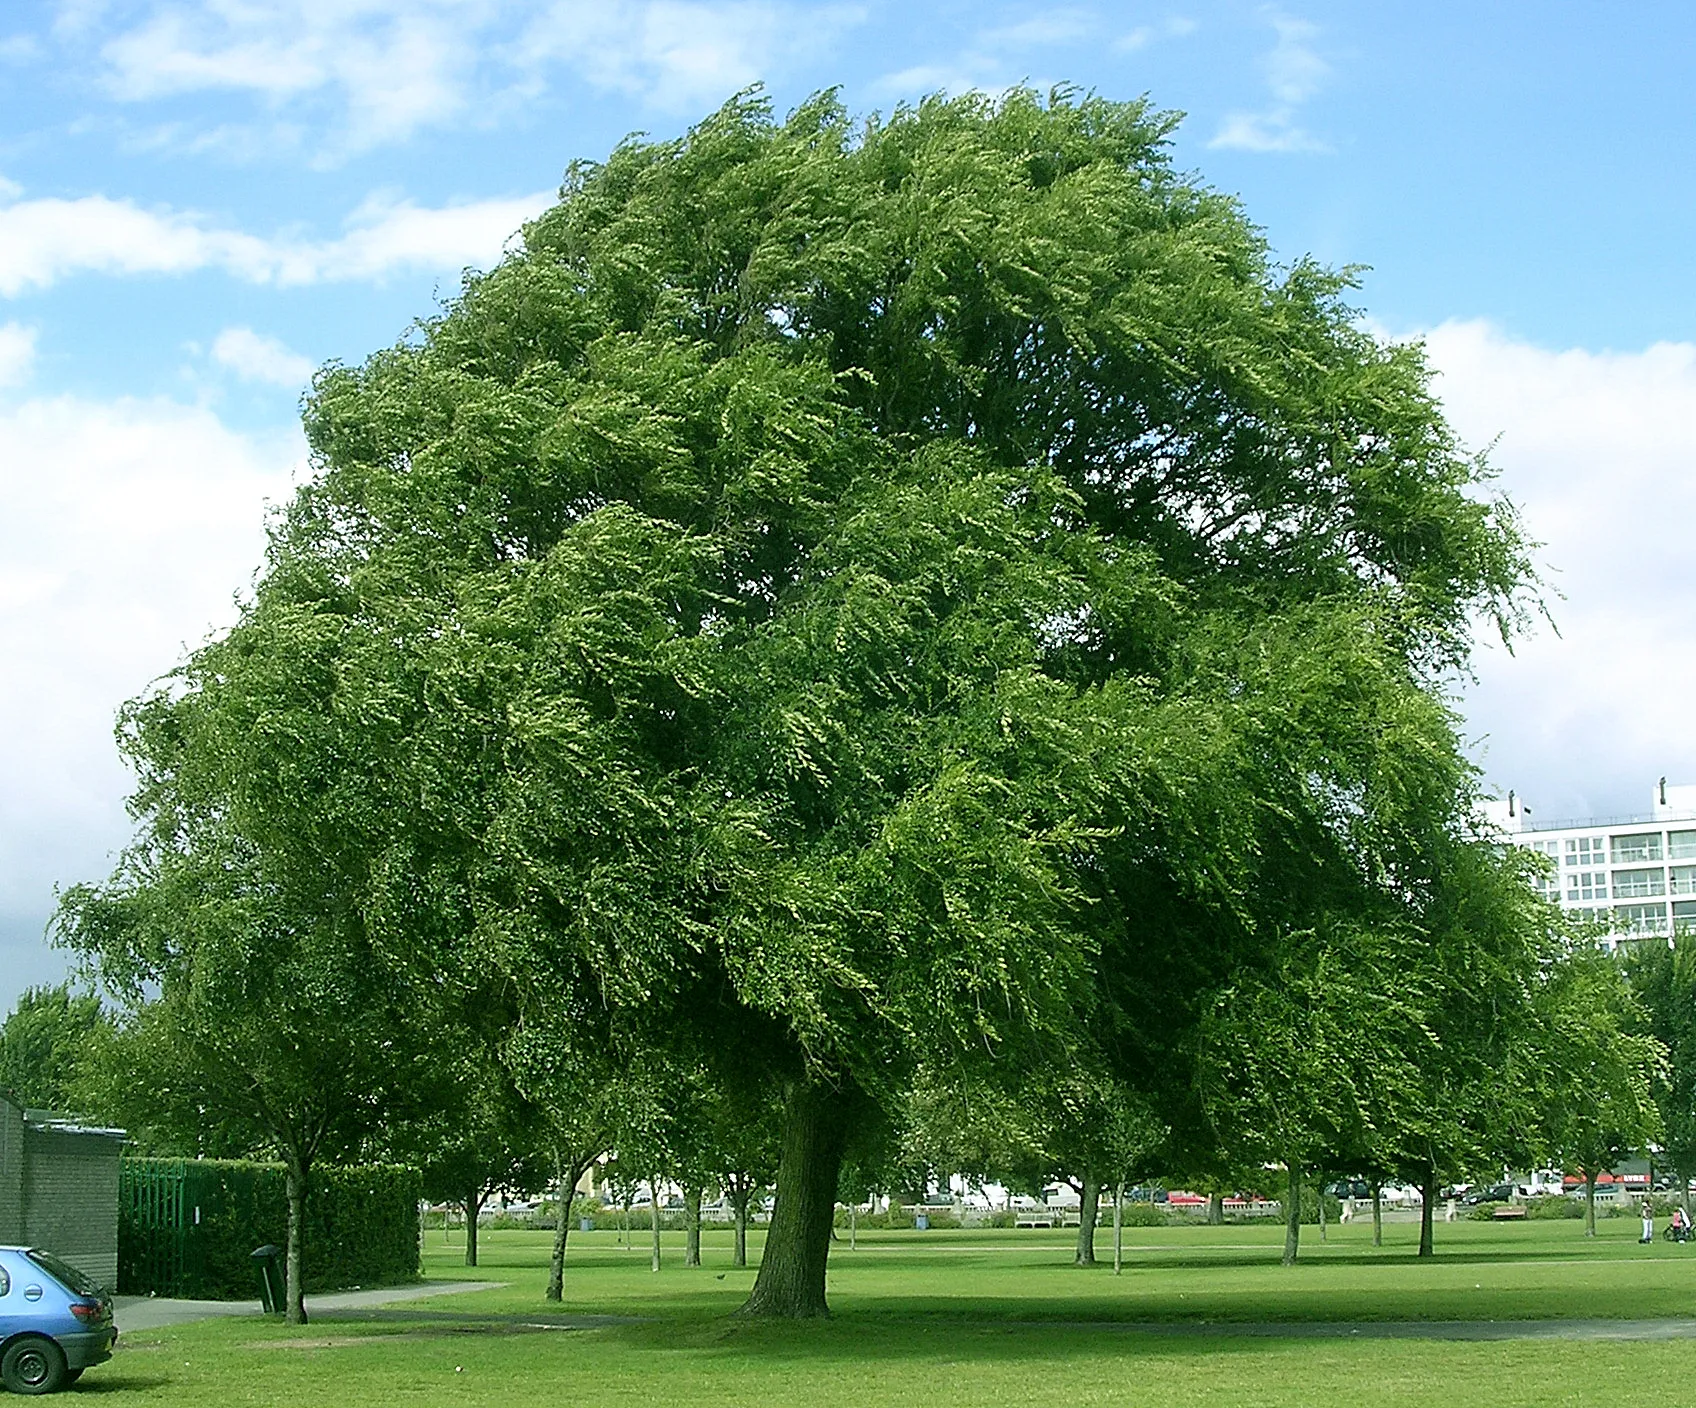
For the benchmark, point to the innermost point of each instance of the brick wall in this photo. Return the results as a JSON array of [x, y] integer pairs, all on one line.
[[70, 1198], [11, 1173]]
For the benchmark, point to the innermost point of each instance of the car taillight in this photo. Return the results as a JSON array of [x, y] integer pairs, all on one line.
[[86, 1311]]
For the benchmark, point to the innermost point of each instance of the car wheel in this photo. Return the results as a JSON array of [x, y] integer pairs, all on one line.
[[32, 1364]]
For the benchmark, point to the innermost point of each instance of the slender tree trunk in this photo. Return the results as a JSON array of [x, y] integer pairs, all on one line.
[[692, 1226], [790, 1283], [297, 1171], [567, 1175], [740, 1200], [1215, 1209], [1089, 1212], [1292, 1216], [1427, 1211], [1377, 1213], [474, 1201], [1589, 1203], [853, 1227], [1320, 1189], [1118, 1226], [654, 1217]]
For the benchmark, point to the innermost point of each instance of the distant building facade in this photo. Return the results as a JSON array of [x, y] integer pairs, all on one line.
[[1635, 874], [59, 1188]]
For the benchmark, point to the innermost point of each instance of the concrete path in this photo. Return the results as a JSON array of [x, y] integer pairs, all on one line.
[[152, 1312], [1663, 1329]]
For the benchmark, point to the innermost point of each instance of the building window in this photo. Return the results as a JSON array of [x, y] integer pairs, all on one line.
[[1684, 916], [1641, 918], [1645, 845], [1631, 883], [1585, 850], [1682, 880], [1587, 885], [1681, 845]]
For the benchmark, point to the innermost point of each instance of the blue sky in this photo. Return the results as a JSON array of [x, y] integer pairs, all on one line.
[[201, 200]]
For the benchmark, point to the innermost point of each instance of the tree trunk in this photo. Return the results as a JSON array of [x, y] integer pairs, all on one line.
[[1216, 1210], [740, 1200], [474, 1201], [1118, 1226], [1427, 1211], [1589, 1203], [790, 1283], [692, 1226], [1292, 1216], [654, 1218], [853, 1227], [1377, 1213], [294, 1297], [1089, 1211], [567, 1176], [1320, 1188]]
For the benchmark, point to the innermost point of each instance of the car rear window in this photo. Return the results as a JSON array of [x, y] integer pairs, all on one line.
[[64, 1273], [5, 1282]]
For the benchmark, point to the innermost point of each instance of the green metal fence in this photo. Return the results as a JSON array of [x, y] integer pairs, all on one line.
[[152, 1232]]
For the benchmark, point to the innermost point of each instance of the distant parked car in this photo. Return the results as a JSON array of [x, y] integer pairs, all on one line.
[[54, 1321], [1495, 1193]]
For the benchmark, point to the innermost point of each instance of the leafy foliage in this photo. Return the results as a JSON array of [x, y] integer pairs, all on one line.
[[45, 1043]]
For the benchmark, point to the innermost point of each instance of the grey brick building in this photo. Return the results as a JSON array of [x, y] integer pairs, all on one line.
[[59, 1188]]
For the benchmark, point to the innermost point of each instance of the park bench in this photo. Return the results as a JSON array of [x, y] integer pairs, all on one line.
[[1508, 1213]]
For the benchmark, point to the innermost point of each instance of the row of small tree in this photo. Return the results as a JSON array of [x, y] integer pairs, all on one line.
[[858, 615]]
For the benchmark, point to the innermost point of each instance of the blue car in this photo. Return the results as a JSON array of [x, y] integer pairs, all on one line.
[[54, 1321]]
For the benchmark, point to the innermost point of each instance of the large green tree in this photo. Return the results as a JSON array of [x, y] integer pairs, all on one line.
[[1663, 980], [45, 1044], [848, 597]]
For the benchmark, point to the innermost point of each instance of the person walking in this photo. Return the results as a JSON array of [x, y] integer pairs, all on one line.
[[1648, 1222]]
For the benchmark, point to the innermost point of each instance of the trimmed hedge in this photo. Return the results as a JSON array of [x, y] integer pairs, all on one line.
[[189, 1227]]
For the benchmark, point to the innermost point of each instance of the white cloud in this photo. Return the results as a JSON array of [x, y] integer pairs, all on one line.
[[255, 357], [678, 54], [921, 80], [390, 67], [17, 353], [42, 241], [1145, 34], [376, 71], [128, 529], [1272, 131], [1295, 72], [1596, 447], [1062, 26]]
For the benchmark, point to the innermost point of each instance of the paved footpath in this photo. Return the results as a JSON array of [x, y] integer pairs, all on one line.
[[152, 1312], [1665, 1329]]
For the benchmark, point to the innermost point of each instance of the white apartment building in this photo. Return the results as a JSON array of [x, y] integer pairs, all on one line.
[[1637, 874]]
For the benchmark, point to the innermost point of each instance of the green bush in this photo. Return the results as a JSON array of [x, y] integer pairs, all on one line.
[[189, 1227], [1554, 1205], [1143, 1215]]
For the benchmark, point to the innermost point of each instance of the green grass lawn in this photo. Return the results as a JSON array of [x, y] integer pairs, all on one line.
[[976, 1317]]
